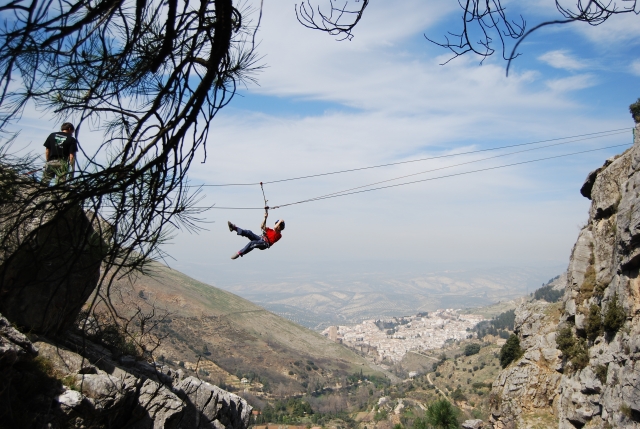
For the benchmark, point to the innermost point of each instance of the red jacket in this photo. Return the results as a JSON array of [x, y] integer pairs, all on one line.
[[272, 236]]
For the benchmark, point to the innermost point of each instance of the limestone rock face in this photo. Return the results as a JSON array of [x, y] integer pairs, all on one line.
[[602, 390], [211, 407], [103, 394], [49, 264], [529, 386]]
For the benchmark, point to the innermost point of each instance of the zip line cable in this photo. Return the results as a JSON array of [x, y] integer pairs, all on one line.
[[588, 136], [324, 197], [444, 168], [352, 192]]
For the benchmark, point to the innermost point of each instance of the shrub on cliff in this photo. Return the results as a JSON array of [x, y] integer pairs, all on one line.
[[548, 294], [589, 284], [573, 349], [565, 340], [635, 111], [614, 316], [601, 373], [510, 351], [580, 354], [593, 324]]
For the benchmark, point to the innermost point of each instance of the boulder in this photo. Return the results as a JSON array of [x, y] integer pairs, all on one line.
[[160, 408], [473, 424], [208, 406], [49, 263]]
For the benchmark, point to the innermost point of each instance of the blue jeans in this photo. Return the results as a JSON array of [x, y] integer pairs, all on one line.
[[257, 242]]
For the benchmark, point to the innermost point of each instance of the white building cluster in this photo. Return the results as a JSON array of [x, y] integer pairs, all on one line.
[[393, 338]]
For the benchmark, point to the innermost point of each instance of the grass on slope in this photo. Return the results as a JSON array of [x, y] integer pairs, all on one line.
[[221, 332]]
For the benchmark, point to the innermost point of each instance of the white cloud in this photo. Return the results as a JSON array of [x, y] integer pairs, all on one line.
[[619, 29], [572, 83], [405, 106], [561, 59], [635, 67]]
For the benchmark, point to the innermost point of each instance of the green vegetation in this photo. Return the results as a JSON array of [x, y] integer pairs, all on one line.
[[593, 323], [634, 109], [601, 373], [472, 349], [505, 320], [511, 351], [458, 396], [565, 340], [626, 411], [580, 357], [381, 415], [572, 348], [498, 326], [548, 294], [589, 284], [614, 316], [286, 411], [442, 415], [378, 381], [466, 380], [435, 365]]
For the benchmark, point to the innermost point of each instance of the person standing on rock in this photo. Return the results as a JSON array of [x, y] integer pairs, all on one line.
[[269, 236], [60, 154]]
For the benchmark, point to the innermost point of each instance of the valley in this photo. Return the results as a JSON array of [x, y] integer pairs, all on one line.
[[380, 372], [319, 300]]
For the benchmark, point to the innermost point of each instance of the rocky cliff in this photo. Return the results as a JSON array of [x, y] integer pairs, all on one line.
[[579, 363], [81, 385], [51, 253]]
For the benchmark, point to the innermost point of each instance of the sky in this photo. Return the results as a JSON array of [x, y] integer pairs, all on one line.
[[322, 105]]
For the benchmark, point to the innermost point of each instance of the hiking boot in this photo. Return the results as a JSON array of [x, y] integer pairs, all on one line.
[[232, 227], [235, 256]]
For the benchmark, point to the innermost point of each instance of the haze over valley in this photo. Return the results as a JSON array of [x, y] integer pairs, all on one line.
[[320, 299]]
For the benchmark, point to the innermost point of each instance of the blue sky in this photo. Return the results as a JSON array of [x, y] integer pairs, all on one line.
[[323, 105]]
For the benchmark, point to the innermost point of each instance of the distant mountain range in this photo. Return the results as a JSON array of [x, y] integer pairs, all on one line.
[[323, 301]]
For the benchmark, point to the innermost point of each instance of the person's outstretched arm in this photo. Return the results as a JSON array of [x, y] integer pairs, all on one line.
[[264, 221]]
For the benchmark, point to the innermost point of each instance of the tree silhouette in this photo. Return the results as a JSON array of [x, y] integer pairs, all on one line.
[[148, 76], [485, 23]]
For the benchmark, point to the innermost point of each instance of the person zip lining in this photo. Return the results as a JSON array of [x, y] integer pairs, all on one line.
[[269, 236]]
